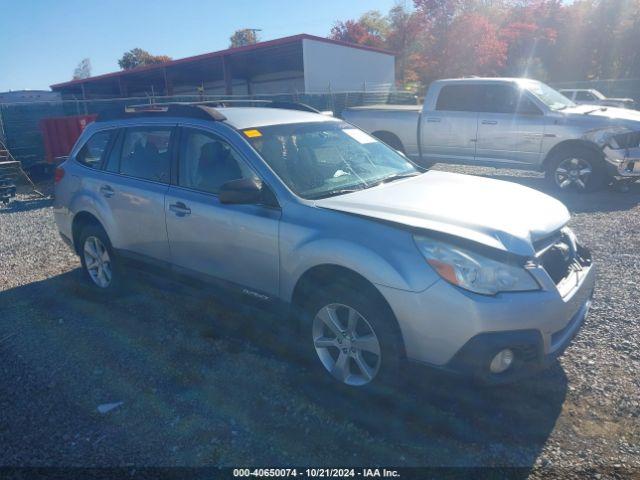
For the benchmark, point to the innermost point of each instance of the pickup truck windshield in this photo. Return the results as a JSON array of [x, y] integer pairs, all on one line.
[[324, 159], [552, 98]]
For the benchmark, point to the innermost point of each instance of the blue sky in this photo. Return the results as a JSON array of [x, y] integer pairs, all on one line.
[[42, 41]]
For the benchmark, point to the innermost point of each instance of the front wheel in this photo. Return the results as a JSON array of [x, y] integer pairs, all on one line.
[[353, 338], [579, 171]]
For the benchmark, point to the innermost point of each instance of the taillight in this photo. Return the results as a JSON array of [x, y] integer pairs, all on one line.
[[59, 174]]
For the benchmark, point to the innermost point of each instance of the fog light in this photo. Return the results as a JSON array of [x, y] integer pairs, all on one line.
[[501, 361]]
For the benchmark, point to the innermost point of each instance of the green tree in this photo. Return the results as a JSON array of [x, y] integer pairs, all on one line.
[[242, 37], [138, 57]]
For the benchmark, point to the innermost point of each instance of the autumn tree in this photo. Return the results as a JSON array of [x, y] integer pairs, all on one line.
[[405, 37], [83, 70], [370, 29], [138, 57], [242, 37], [473, 47], [551, 40]]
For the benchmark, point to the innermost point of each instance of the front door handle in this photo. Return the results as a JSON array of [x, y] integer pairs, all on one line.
[[180, 209], [433, 120], [107, 191], [489, 122]]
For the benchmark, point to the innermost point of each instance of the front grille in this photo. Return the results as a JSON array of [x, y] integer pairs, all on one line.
[[559, 254]]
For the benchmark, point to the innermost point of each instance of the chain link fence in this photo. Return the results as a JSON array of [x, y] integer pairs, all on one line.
[[20, 122]]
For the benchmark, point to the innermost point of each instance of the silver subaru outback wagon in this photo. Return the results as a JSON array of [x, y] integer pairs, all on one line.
[[379, 262]]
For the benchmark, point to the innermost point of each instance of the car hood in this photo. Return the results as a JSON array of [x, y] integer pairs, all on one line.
[[499, 214], [605, 115]]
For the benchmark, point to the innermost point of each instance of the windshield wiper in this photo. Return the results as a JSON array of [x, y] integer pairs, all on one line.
[[394, 177], [333, 193], [602, 109]]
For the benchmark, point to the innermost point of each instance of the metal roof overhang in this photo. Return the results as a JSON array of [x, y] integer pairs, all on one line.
[[284, 54]]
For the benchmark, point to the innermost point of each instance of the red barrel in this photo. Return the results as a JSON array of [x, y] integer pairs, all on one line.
[[60, 134]]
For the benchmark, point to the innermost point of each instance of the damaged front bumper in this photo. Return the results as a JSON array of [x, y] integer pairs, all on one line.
[[621, 150], [622, 163]]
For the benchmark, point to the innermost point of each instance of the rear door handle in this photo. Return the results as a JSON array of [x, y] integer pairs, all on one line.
[[180, 209], [489, 122], [433, 120], [107, 191]]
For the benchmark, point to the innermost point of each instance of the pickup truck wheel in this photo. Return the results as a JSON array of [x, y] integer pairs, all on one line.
[[352, 339], [99, 263], [391, 140], [580, 170]]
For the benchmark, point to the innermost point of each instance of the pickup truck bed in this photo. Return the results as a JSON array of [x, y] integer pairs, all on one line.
[[386, 107]]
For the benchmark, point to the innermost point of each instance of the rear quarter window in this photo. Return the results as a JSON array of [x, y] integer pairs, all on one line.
[[458, 98], [94, 150]]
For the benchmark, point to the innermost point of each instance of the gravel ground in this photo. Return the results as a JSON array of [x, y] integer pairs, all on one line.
[[203, 384]]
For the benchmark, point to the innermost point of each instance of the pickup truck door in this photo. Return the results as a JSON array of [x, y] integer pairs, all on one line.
[[235, 244], [448, 132], [510, 126]]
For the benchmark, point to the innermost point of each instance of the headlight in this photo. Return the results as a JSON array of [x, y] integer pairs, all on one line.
[[472, 271]]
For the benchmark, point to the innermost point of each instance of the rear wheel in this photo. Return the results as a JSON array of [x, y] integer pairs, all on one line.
[[579, 170], [391, 140], [99, 263]]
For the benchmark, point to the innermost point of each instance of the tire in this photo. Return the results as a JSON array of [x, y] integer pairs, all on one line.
[[346, 299], [391, 140], [94, 239], [563, 171]]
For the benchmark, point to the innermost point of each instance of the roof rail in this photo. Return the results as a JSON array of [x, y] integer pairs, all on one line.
[[204, 110], [176, 109], [294, 106], [266, 103]]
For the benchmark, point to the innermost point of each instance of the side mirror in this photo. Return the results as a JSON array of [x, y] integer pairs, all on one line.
[[241, 191]]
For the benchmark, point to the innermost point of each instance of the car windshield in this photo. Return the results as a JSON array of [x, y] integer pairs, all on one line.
[[550, 97], [324, 159]]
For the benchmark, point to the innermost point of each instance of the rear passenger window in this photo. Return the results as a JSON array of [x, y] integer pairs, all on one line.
[[112, 162], [145, 153], [458, 98], [93, 152]]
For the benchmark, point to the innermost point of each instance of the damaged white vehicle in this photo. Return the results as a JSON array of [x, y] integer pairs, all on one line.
[[515, 123]]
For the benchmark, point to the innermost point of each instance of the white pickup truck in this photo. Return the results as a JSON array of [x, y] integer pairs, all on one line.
[[515, 123]]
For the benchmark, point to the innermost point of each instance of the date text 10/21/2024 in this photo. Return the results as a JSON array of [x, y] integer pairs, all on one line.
[[317, 472]]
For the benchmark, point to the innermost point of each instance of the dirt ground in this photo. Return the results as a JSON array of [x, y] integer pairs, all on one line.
[[201, 382]]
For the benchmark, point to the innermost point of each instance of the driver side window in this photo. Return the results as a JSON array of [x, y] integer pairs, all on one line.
[[207, 162]]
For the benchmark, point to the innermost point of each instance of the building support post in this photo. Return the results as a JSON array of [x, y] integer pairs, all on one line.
[[168, 85], [123, 90], [226, 73], [84, 98]]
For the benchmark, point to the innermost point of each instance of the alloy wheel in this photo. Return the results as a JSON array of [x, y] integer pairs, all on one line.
[[97, 261], [346, 344], [573, 172]]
